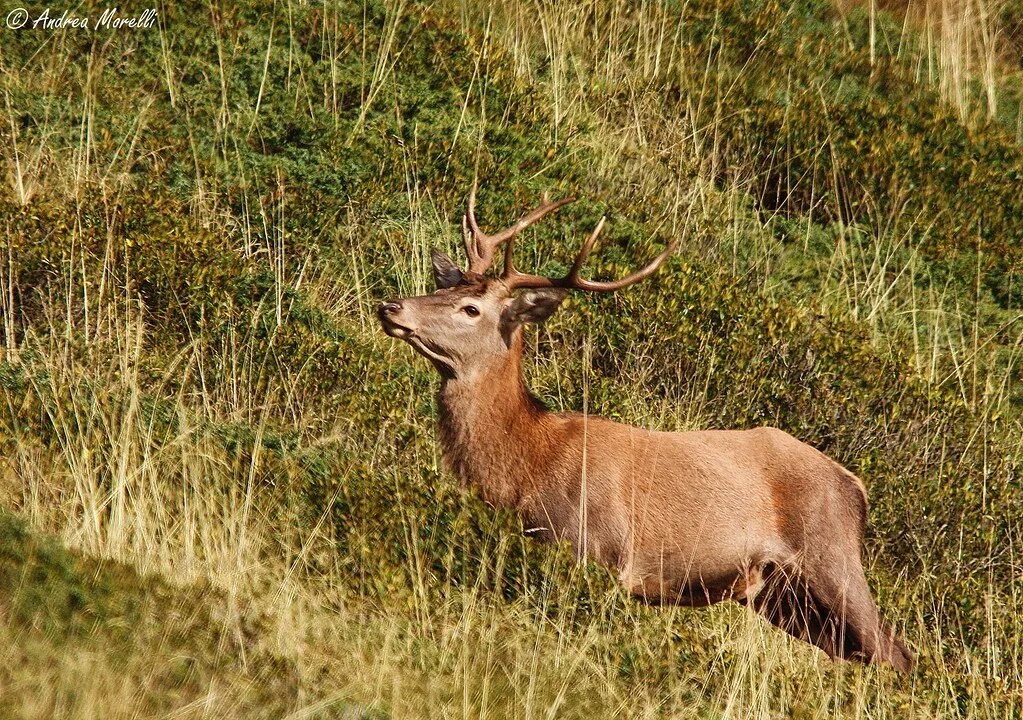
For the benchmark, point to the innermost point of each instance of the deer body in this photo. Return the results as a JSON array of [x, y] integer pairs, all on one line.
[[691, 518]]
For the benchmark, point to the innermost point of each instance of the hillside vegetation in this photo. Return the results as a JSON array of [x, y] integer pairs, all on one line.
[[220, 481]]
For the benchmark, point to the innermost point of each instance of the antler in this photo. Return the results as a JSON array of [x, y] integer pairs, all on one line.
[[481, 247], [515, 279]]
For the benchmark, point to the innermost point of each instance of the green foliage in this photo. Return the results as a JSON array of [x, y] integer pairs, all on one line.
[[837, 138], [45, 591]]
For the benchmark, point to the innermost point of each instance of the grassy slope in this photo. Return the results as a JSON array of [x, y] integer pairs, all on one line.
[[194, 384], [84, 636]]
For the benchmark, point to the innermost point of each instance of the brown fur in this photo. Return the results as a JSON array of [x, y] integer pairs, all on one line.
[[691, 518]]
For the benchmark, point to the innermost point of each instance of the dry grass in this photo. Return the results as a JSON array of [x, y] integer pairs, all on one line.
[[967, 45]]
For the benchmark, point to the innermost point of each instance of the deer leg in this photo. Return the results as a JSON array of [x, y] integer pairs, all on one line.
[[860, 633], [787, 601]]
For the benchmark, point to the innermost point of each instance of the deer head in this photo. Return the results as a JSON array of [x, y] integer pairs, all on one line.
[[472, 319]]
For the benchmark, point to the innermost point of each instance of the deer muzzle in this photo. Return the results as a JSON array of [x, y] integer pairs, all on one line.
[[390, 314]]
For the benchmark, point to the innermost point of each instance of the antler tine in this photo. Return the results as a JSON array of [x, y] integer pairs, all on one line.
[[471, 233], [584, 251], [480, 246], [572, 281]]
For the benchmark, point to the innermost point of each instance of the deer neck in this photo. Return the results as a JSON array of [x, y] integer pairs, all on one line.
[[495, 434]]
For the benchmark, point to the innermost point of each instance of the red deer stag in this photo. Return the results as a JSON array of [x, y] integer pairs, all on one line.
[[693, 518]]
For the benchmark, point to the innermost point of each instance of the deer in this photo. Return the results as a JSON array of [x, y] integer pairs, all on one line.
[[694, 518]]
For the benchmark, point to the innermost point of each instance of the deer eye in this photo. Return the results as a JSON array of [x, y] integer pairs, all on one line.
[[471, 310]]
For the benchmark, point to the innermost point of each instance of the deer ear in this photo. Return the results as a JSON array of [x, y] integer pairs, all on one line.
[[533, 306], [445, 273]]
